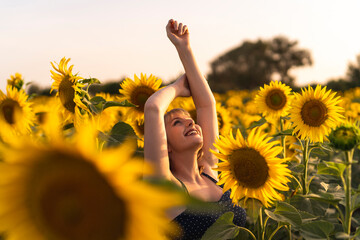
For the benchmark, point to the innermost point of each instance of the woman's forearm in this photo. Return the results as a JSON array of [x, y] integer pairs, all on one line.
[[161, 99], [199, 87]]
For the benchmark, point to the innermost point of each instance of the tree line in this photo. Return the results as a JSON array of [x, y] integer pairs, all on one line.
[[250, 65]]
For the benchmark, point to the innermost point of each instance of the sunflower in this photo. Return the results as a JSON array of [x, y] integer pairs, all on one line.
[[16, 116], [137, 92], [224, 119], [273, 100], [68, 89], [346, 136], [16, 81], [72, 191], [109, 116], [251, 168], [315, 112], [189, 105], [138, 127]]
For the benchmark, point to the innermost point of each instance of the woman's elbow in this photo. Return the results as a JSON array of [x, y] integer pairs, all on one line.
[[151, 106]]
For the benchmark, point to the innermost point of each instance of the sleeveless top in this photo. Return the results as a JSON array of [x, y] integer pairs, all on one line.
[[193, 224]]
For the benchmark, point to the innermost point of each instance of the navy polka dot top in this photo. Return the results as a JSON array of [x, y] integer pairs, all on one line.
[[193, 224]]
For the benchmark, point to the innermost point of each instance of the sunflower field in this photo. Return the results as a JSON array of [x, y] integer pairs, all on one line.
[[71, 165]]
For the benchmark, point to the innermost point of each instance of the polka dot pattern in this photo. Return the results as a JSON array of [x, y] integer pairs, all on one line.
[[194, 223]]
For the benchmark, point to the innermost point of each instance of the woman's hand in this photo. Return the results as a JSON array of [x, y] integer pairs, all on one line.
[[182, 86], [177, 33]]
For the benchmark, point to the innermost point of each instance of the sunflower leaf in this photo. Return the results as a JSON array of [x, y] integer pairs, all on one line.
[[257, 123], [285, 213], [97, 99], [119, 133], [355, 201], [324, 197], [287, 132], [223, 228], [331, 168], [317, 229], [124, 103], [89, 81]]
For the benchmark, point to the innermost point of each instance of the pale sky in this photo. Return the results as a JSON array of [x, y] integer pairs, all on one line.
[[109, 39]]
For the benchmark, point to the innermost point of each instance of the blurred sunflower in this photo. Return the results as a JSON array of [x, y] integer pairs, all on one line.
[[16, 115], [273, 100], [315, 112], [68, 89], [16, 81], [251, 168], [72, 191], [346, 136], [138, 127], [109, 116], [137, 92], [224, 119], [189, 105]]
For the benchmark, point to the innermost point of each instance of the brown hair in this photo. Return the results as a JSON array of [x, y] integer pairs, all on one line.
[[167, 117]]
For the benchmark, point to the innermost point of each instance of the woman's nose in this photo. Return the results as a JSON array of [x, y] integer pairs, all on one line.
[[190, 122]]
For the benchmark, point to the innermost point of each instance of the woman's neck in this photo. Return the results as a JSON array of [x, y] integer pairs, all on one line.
[[185, 166]]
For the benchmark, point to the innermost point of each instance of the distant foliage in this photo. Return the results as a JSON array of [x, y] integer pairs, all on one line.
[[253, 64]]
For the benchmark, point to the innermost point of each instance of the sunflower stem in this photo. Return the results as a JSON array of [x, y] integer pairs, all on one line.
[[347, 187], [261, 225], [305, 186], [283, 137], [275, 231]]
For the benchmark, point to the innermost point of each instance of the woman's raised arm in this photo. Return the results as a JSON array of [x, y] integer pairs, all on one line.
[[155, 147], [203, 98]]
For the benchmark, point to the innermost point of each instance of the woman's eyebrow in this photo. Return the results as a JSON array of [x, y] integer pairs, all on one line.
[[175, 119]]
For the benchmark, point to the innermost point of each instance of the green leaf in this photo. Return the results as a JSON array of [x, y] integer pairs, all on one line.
[[119, 133], [355, 201], [331, 168], [287, 132], [223, 228], [285, 213], [315, 207], [257, 123], [252, 207], [316, 230], [124, 103], [307, 217], [324, 197], [97, 99], [90, 80]]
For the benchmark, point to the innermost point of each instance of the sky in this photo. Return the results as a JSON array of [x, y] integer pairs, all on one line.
[[111, 39]]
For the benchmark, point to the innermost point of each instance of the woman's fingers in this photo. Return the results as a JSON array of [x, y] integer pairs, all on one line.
[[176, 28], [185, 29], [180, 29], [175, 25]]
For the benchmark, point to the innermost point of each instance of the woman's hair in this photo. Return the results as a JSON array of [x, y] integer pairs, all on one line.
[[167, 117]]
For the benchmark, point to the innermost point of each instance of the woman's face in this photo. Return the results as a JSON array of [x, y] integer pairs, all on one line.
[[182, 133]]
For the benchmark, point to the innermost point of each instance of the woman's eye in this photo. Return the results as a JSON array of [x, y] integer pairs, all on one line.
[[176, 122]]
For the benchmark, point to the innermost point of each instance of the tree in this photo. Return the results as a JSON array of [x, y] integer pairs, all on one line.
[[351, 80], [253, 64]]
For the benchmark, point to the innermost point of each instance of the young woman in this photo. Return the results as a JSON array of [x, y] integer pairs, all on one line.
[[178, 148]]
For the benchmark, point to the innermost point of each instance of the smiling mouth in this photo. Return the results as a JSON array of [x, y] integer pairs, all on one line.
[[192, 132]]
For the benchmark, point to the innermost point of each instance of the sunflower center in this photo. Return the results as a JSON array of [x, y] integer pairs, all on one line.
[[314, 113], [73, 200], [276, 99], [8, 110], [67, 94], [250, 167], [140, 95]]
